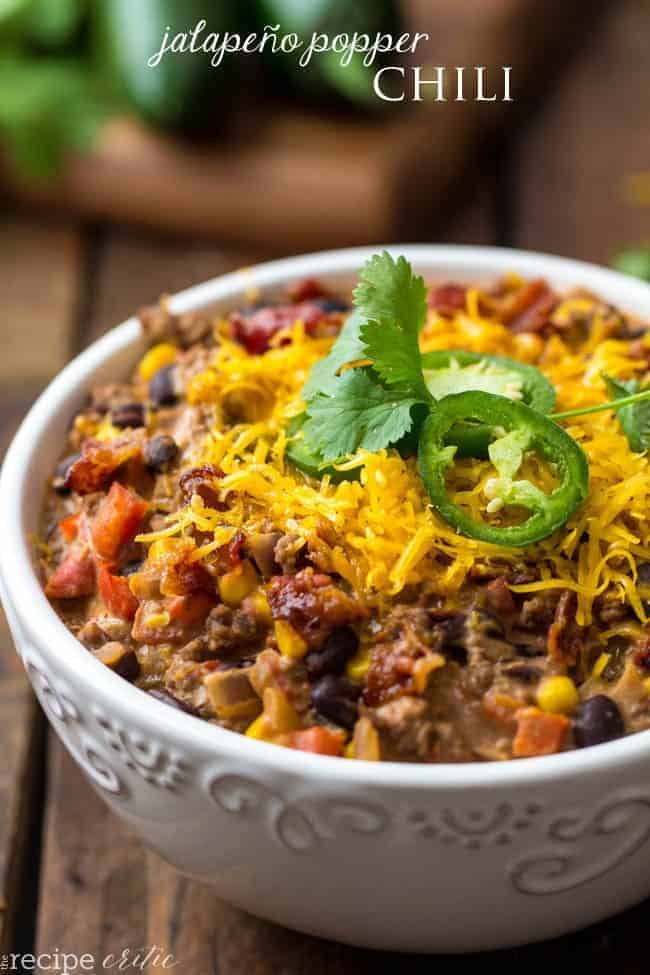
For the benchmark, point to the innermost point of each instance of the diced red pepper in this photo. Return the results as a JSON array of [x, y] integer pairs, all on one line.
[[100, 459], [69, 527], [538, 733], [115, 592], [447, 299], [256, 329], [117, 520], [75, 577], [318, 740], [191, 609]]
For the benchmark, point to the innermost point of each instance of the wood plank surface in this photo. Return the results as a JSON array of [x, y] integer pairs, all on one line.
[[582, 157], [38, 281], [39, 275]]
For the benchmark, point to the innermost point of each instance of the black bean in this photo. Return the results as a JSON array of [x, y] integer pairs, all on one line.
[[61, 474], [161, 387], [128, 415], [159, 452], [166, 698], [598, 720], [334, 698], [331, 305], [130, 568], [342, 644]]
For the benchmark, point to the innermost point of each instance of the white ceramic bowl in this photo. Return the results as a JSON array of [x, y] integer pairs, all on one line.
[[407, 857]]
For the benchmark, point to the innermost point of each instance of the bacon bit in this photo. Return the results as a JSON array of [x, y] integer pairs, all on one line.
[[191, 609], [184, 578], [117, 520], [447, 299], [641, 654], [117, 595], [100, 460], [230, 555], [317, 740], [499, 597], [255, 329], [529, 309], [198, 481], [307, 290], [313, 605], [538, 733], [75, 577], [69, 527], [564, 640]]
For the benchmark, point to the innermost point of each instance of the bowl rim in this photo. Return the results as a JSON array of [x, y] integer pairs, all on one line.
[[25, 595]]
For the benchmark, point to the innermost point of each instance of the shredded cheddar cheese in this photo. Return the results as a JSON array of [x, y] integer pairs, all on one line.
[[379, 532]]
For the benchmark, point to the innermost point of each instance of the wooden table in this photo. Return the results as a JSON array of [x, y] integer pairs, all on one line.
[[70, 875]]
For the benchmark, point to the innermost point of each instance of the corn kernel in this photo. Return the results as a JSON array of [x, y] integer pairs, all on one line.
[[156, 358], [600, 664], [106, 431], [348, 751], [281, 716], [558, 695], [156, 620], [261, 606], [291, 644], [236, 585], [259, 729], [358, 665]]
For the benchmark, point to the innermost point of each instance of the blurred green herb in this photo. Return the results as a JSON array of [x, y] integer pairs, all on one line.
[[634, 261], [49, 107], [51, 99], [635, 418]]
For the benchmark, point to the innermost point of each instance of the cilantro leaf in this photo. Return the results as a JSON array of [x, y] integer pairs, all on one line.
[[634, 418], [347, 348], [392, 300], [358, 413]]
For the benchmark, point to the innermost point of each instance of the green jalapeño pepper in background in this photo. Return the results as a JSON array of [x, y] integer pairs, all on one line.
[[456, 371], [524, 430], [183, 92], [325, 78]]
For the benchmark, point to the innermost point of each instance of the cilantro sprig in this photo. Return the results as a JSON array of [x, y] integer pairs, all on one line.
[[631, 405], [364, 393]]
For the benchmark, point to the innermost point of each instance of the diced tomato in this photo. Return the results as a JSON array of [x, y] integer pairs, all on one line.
[[69, 527], [191, 609], [75, 577], [100, 459], [117, 520], [306, 290], [538, 733], [255, 330], [318, 740], [115, 592], [447, 299]]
